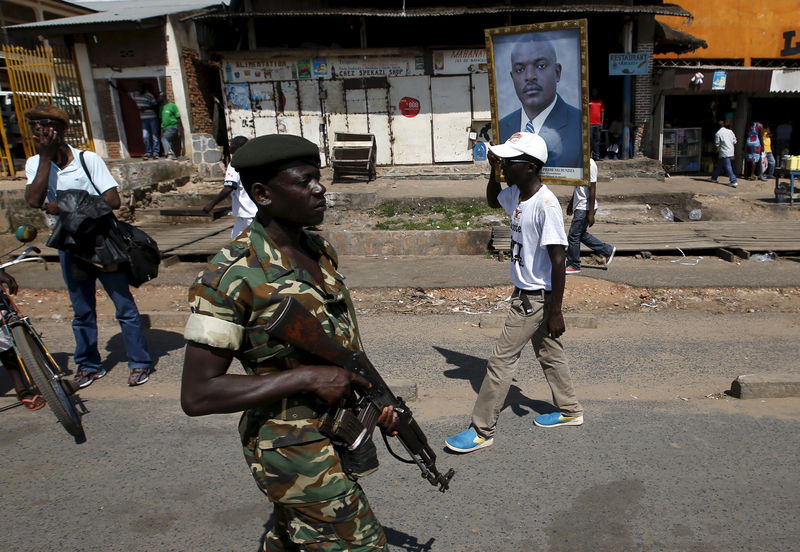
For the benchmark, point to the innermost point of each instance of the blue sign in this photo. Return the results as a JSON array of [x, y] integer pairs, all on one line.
[[479, 151], [719, 80], [628, 64]]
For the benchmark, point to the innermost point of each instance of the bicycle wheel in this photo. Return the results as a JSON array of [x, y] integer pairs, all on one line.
[[39, 365]]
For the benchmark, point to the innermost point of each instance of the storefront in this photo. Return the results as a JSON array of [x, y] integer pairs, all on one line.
[[691, 101], [421, 109]]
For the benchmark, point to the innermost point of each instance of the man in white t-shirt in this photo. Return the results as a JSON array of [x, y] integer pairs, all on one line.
[[537, 270], [725, 140], [242, 207], [582, 220]]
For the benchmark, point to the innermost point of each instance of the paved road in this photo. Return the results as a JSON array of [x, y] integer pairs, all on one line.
[[657, 466]]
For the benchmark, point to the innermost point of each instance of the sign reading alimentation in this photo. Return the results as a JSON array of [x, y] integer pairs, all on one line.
[[628, 64]]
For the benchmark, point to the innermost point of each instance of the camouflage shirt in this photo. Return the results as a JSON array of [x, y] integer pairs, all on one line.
[[237, 293]]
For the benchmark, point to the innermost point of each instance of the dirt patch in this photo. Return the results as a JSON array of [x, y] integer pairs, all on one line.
[[583, 295], [726, 208]]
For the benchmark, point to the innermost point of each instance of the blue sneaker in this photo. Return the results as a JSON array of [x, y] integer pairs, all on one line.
[[556, 419], [467, 441]]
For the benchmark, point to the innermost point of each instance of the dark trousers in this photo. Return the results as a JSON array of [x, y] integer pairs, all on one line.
[[578, 233]]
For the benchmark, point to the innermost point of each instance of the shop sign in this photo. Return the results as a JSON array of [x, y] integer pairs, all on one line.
[[790, 49], [259, 70], [409, 107], [320, 68], [364, 67], [303, 69], [719, 80], [460, 62], [628, 64], [344, 67]]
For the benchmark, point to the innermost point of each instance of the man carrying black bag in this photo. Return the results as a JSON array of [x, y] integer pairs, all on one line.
[[57, 167]]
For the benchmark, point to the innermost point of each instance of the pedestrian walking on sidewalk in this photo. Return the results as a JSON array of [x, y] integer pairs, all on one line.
[[766, 139], [58, 167], [242, 207], [537, 270], [725, 140], [582, 219], [752, 151]]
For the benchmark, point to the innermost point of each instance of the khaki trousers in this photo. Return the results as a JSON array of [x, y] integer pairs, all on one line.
[[518, 329]]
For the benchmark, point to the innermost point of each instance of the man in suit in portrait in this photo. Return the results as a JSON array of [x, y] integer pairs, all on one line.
[[535, 73]]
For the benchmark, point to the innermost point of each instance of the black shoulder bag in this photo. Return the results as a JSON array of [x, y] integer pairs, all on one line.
[[142, 250]]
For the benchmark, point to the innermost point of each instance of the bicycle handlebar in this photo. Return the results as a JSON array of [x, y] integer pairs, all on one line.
[[23, 259]]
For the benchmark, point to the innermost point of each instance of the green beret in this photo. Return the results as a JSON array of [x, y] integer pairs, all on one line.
[[271, 149]]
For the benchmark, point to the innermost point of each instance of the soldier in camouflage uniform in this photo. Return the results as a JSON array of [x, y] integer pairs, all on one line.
[[317, 505]]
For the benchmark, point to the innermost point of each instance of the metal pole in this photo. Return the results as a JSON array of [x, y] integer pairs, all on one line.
[[627, 86]]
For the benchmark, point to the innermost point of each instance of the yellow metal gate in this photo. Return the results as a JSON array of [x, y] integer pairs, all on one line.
[[48, 75]]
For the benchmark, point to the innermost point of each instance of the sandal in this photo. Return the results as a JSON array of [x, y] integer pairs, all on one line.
[[34, 402]]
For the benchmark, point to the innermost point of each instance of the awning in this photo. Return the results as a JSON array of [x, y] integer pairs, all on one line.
[[656, 8], [749, 80], [785, 80], [673, 41]]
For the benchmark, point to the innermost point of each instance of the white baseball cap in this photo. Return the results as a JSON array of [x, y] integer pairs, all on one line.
[[522, 143]]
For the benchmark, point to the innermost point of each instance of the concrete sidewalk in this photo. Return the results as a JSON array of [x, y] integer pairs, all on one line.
[[621, 189], [469, 181]]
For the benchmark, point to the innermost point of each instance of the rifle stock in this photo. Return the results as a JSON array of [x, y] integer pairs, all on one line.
[[293, 324]]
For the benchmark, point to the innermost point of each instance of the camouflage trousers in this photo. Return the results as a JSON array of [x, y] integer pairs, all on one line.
[[317, 507]]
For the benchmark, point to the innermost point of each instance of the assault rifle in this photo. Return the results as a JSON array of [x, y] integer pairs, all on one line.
[[354, 425]]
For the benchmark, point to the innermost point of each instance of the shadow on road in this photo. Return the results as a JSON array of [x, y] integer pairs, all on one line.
[[160, 342], [407, 542], [473, 369]]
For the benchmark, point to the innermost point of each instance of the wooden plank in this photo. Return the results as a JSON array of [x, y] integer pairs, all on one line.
[[725, 255]]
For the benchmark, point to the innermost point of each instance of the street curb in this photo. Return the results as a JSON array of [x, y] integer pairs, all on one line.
[[766, 386], [586, 321]]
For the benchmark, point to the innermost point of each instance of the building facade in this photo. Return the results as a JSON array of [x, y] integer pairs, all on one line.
[[416, 78], [128, 43], [750, 70]]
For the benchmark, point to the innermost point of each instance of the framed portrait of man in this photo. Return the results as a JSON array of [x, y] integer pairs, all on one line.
[[539, 82]]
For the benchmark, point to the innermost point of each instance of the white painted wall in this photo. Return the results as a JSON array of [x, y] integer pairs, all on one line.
[[90, 97], [438, 133], [452, 117], [412, 135], [180, 35]]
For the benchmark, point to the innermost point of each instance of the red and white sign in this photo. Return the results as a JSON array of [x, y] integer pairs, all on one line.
[[409, 107]]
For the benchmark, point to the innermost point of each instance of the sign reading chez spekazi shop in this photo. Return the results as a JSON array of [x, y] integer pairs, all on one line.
[[333, 67]]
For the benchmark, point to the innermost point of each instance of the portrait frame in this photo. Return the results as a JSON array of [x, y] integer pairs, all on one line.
[[565, 127]]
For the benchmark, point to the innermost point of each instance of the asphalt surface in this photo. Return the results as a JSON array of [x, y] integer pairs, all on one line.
[[665, 461], [658, 465]]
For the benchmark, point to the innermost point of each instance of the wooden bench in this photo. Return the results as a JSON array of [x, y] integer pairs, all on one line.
[[353, 155]]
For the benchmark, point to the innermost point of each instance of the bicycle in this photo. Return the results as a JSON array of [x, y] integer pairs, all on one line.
[[38, 367]]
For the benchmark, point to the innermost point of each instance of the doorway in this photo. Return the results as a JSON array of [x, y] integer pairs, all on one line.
[[130, 113]]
